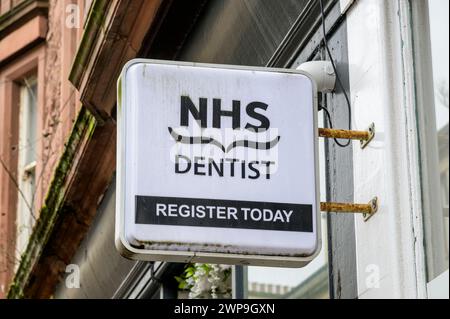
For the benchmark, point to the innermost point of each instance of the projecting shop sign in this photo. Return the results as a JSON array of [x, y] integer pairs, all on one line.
[[216, 164]]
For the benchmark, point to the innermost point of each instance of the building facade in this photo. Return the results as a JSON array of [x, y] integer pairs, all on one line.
[[38, 108], [59, 65]]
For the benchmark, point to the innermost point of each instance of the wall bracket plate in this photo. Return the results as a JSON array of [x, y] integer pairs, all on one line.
[[371, 130], [374, 208]]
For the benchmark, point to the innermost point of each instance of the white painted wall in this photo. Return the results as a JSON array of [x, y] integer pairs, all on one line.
[[389, 246]]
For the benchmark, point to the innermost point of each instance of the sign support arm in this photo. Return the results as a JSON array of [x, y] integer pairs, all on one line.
[[363, 136], [368, 210]]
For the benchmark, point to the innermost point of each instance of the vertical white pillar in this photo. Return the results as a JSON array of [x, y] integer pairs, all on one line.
[[388, 246]]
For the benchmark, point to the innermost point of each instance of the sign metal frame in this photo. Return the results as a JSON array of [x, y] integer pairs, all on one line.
[[127, 250]]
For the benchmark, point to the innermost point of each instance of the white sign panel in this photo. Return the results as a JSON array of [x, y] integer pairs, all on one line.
[[217, 164]]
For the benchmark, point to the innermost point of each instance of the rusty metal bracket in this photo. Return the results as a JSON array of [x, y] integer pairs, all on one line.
[[368, 210], [371, 130], [363, 136]]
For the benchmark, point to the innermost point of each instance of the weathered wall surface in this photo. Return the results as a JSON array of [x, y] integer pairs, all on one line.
[[60, 97], [50, 57]]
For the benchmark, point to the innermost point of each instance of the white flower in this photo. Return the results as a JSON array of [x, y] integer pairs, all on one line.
[[210, 281]]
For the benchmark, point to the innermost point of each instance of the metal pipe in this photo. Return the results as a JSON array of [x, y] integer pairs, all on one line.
[[345, 134], [346, 207], [368, 210]]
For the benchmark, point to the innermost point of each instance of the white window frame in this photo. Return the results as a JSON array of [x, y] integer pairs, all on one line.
[[26, 167], [389, 246], [431, 176]]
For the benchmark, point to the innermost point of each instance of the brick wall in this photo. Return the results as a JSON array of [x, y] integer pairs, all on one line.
[[57, 108]]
